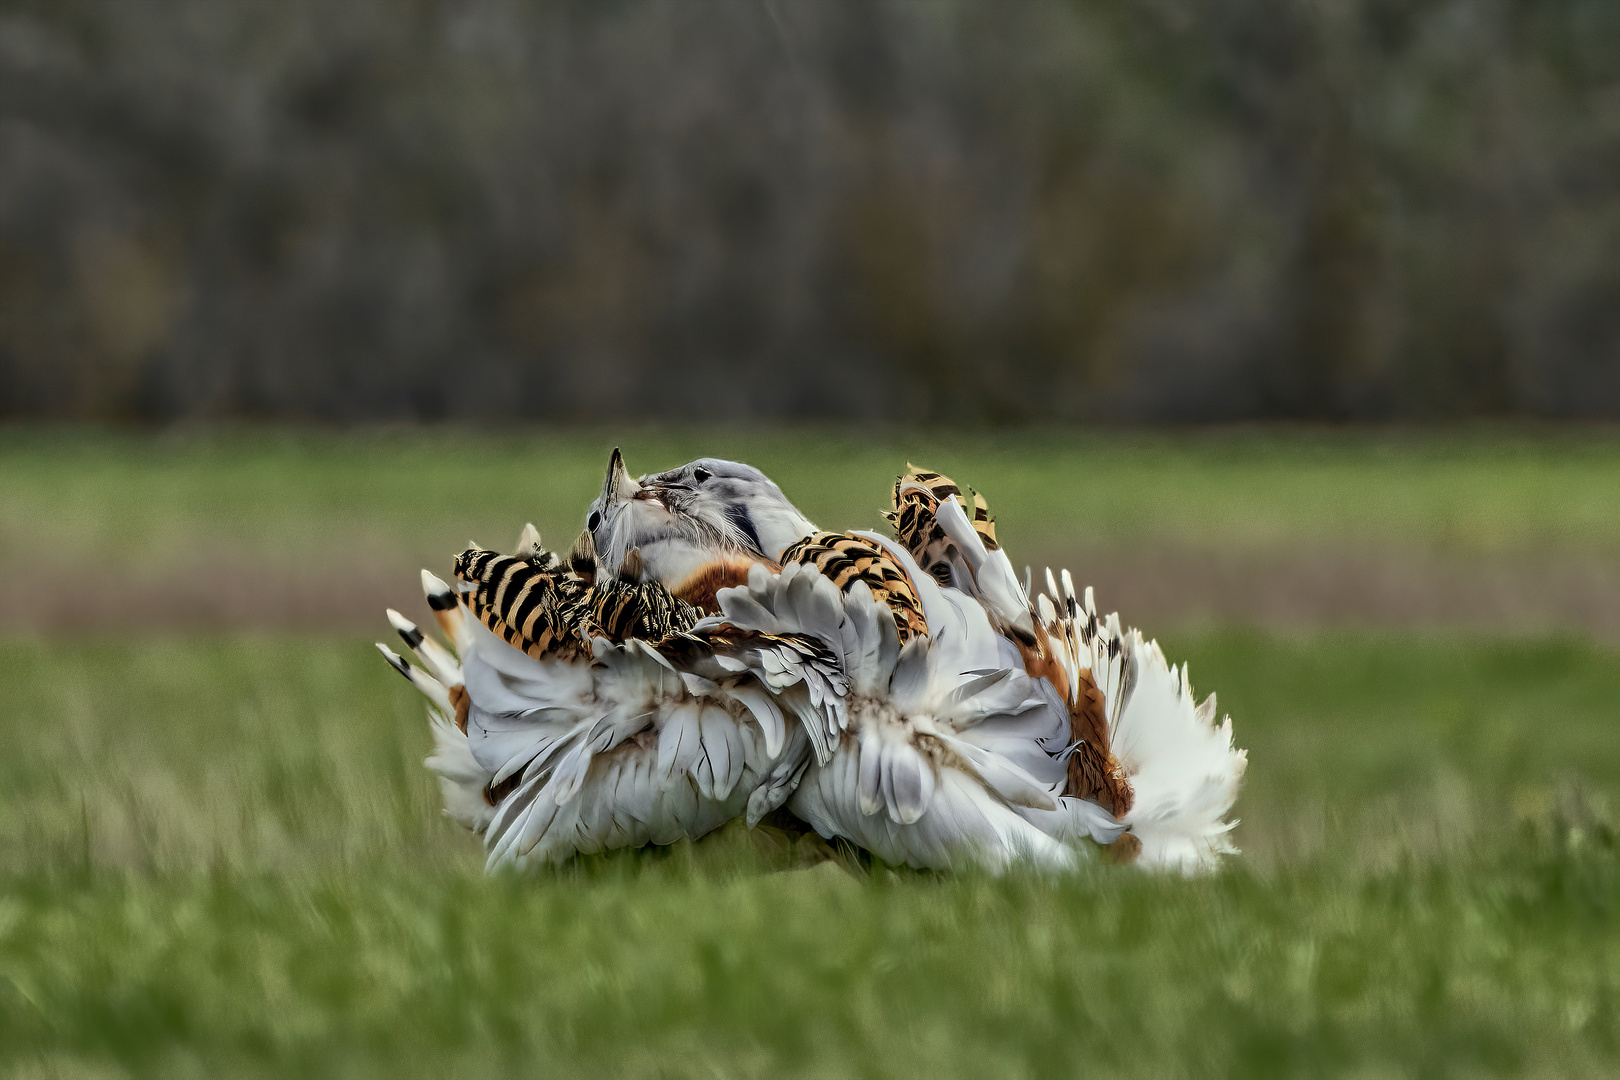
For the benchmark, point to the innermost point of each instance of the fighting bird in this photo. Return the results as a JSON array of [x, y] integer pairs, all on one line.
[[706, 652]]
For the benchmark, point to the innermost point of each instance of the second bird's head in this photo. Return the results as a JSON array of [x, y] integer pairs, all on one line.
[[680, 521]]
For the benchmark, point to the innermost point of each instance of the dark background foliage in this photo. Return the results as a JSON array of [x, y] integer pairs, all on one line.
[[738, 209]]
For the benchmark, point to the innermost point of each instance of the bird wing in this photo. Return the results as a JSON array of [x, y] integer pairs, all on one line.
[[845, 558], [955, 544], [933, 754], [806, 642], [1140, 756], [558, 730]]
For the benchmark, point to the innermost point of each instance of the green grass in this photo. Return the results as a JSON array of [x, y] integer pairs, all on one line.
[[223, 857], [409, 495]]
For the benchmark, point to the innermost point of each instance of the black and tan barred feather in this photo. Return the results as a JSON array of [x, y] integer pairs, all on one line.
[[543, 608], [916, 500], [844, 558], [617, 609], [532, 609]]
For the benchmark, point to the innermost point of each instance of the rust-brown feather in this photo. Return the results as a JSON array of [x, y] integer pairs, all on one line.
[[1094, 772], [461, 702], [725, 572]]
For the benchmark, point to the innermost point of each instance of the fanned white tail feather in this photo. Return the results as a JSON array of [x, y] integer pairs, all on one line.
[[462, 779], [1182, 767]]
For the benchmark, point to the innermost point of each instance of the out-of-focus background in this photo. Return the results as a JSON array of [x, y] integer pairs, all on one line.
[[1292, 326], [943, 211]]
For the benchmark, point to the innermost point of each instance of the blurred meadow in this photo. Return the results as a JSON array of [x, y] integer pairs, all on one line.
[[1292, 326], [1509, 529], [219, 851], [224, 857]]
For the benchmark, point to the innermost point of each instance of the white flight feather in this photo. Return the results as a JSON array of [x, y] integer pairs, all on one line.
[[608, 752], [913, 715]]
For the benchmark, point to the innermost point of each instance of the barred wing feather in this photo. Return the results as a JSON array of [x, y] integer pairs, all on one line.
[[555, 757]]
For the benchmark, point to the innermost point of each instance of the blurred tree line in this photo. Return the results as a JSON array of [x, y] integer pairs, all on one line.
[[947, 209]]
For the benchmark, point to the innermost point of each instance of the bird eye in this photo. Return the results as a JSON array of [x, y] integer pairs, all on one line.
[[701, 474], [593, 521]]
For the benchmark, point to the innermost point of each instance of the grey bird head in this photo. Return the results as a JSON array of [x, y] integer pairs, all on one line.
[[685, 518]]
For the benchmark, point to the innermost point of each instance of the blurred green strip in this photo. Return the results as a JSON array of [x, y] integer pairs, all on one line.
[[288, 493]]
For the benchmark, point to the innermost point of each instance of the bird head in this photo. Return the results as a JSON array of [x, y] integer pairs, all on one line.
[[681, 520]]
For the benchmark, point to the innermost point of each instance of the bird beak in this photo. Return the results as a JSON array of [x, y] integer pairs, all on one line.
[[619, 486]]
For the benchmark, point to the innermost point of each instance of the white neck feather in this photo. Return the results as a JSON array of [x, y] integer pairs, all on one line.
[[780, 527]]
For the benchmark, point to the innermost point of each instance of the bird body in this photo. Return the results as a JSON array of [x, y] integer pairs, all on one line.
[[706, 653]]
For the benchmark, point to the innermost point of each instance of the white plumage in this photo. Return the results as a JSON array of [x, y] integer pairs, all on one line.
[[943, 749], [614, 752], [935, 747], [1182, 766]]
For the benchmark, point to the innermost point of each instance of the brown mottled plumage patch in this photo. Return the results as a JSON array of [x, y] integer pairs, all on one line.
[[1094, 772], [621, 609], [844, 558]]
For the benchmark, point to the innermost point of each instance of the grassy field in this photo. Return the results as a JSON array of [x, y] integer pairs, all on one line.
[[274, 494], [225, 854], [219, 855], [216, 529]]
